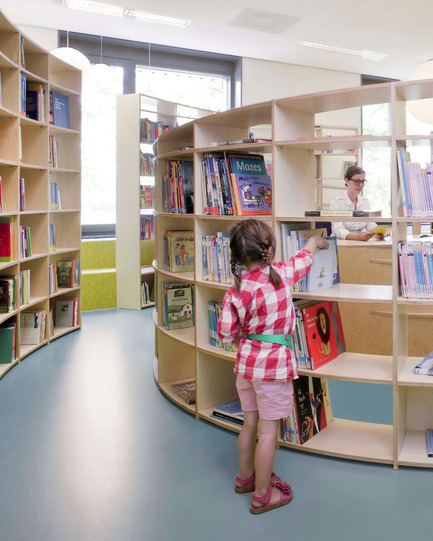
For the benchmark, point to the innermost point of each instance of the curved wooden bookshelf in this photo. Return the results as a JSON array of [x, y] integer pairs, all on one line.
[[368, 300]]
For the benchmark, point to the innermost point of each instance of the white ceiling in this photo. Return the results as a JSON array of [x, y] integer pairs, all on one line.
[[401, 29]]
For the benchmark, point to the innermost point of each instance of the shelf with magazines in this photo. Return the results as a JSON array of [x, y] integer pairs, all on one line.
[[386, 332], [28, 73]]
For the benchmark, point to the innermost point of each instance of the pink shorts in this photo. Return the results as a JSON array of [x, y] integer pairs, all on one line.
[[272, 399]]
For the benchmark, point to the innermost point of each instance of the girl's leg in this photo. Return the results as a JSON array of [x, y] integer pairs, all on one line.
[[247, 443], [264, 457]]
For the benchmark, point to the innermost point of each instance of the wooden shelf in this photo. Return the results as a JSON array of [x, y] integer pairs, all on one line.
[[24, 151], [381, 329], [352, 439], [414, 450]]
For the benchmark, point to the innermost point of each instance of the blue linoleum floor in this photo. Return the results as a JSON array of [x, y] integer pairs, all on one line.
[[90, 450]]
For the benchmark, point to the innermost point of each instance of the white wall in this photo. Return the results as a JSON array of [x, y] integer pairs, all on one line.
[[44, 37], [265, 80]]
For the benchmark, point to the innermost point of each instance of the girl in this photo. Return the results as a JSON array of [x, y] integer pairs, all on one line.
[[258, 315]]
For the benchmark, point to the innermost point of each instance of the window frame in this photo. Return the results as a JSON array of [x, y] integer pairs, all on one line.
[[129, 54]]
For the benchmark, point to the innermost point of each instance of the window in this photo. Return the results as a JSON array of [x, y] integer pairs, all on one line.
[[205, 80], [376, 161]]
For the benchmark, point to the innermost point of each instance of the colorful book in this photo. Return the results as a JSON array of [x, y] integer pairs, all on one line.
[[304, 411], [319, 333], [7, 294], [179, 251], [178, 300], [251, 184], [67, 273], [186, 391], [230, 411], [324, 267], [425, 366], [32, 327]]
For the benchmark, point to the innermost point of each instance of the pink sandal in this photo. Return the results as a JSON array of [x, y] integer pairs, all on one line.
[[244, 485], [286, 496]]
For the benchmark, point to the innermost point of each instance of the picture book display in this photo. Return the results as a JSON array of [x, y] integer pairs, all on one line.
[[319, 333], [179, 251], [178, 305], [252, 186], [236, 184], [186, 391]]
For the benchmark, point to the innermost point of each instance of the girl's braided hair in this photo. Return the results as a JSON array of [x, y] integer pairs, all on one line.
[[252, 241]]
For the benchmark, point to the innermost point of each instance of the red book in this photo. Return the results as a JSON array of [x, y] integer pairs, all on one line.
[[319, 331], [5, 241]]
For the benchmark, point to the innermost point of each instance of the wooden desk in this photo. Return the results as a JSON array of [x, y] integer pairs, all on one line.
[[367, 262]]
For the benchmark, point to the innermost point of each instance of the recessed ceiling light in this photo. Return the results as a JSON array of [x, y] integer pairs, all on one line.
[[368, 55], [108, 9]]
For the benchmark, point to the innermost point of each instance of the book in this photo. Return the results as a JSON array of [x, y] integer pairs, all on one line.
[[311, 411], [319, 333], [66, 312], [178, 301], [186, 391], [429, 441], [337, 325], [251, 184], [303, 408], [60, 110], [67, 273], [179, 251], [346, 213], [241, 141], [32, 327], [324, 269], [7, 294], [6, 240], [425, 366], [382, 230], [1, 195], [7, 342], [230, 411]]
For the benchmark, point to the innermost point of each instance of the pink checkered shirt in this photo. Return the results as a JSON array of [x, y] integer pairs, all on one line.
[[260, 308]]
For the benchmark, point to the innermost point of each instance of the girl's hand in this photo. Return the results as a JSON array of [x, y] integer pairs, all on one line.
[[315, 242]]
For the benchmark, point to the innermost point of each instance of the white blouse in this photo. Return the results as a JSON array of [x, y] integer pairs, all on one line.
[[342, 201]]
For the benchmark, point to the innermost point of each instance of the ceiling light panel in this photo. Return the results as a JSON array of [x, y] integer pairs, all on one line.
[[368, 55], [108, 9]]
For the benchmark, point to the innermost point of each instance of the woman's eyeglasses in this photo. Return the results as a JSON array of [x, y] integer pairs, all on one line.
[[358, 182]]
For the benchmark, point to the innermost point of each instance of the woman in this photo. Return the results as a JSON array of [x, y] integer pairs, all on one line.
[[352, 199]]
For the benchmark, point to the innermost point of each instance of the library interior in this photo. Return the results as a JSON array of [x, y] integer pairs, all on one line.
[[133, 138]]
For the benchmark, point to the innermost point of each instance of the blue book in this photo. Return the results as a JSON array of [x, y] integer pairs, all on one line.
[[230, 411], [60, 105], [425, 366]]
